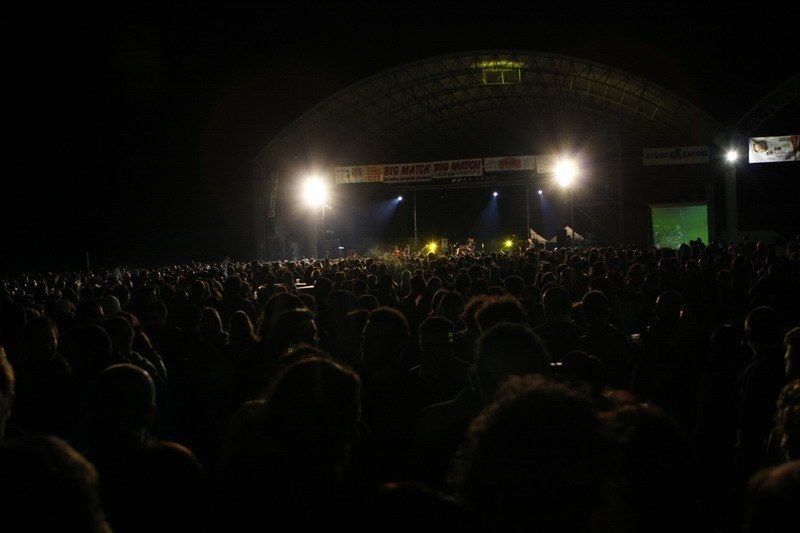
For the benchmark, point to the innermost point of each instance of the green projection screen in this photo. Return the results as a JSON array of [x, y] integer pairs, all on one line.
[[676, 224]]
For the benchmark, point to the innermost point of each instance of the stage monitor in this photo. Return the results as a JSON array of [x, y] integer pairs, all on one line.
[[676, 224]]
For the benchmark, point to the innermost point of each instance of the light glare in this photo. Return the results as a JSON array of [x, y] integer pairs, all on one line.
[[315, 192], [565, 172], [732, 156]]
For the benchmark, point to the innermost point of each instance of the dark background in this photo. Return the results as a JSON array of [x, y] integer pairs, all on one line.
[[130, 131]]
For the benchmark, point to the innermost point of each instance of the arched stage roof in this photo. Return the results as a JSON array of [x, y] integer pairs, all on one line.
[[483, 103]]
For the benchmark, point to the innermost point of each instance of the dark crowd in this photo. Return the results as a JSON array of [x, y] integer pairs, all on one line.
[[599, 389]]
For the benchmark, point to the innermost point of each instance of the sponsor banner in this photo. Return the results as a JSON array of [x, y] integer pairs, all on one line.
[[409, 172], [774, 149], [458, 168], [546, 163], [358, 174], [508, 164], [676, 155]]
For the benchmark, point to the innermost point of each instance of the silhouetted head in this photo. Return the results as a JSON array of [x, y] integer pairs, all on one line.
[[668, 307], [40, 339], [233, 286], [210, 323], [125, 398], [292, 329], [88, 350], [595, 309], [45, 485], [536, 458], [121, 333], [384, 338], [763, 330], [436, 337], [451, 306], [557, 304], [367, 302], [584, 370], [277, 304], [514, 285], [313, 406], [788, 420], [498, 310], [772, 497], [506, 350], [791, 343], [241, 327]]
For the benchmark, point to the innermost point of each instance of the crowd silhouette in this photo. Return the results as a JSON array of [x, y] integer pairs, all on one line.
[[595, 389]]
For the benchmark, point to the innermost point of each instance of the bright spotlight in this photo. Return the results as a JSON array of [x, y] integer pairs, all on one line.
[[566, 171], [508, 243], [315, 192], [494, 194], [540, 192], [432, 246], [399, 198], [732, 156]]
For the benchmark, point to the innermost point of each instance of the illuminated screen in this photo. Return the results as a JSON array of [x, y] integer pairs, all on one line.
[[674, 225]]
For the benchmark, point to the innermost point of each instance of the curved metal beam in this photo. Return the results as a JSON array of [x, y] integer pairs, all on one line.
[[769, 106], [433, 90]]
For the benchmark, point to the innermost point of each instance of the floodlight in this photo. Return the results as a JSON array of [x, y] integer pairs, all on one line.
[[432, 246], [508, 243], [494, 194], [315, 191], [732, 156], [566, 171]]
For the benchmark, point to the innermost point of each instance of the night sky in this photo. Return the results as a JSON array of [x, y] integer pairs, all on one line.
[[130, 131]]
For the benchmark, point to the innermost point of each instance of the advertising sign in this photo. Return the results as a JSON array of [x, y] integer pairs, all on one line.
[[409, 172], [774, 149], [509, 164], [676, 155], [546, 163]]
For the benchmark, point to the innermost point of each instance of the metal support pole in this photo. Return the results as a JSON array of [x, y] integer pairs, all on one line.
[[620, 190], [527, 210], [571, 214], [313, 236], [731, 213], [416, 244]]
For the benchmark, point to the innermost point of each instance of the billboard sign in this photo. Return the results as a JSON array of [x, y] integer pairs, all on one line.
[[676, 155], [408, 172], [546, 163], [774, 149], [509, 164]]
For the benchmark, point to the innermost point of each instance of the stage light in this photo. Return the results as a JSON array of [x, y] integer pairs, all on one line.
[[731, 156], [566, 171], [315, 191], [432, 246], [508, 243], [399, 198], [494, 194], [540, 192]]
